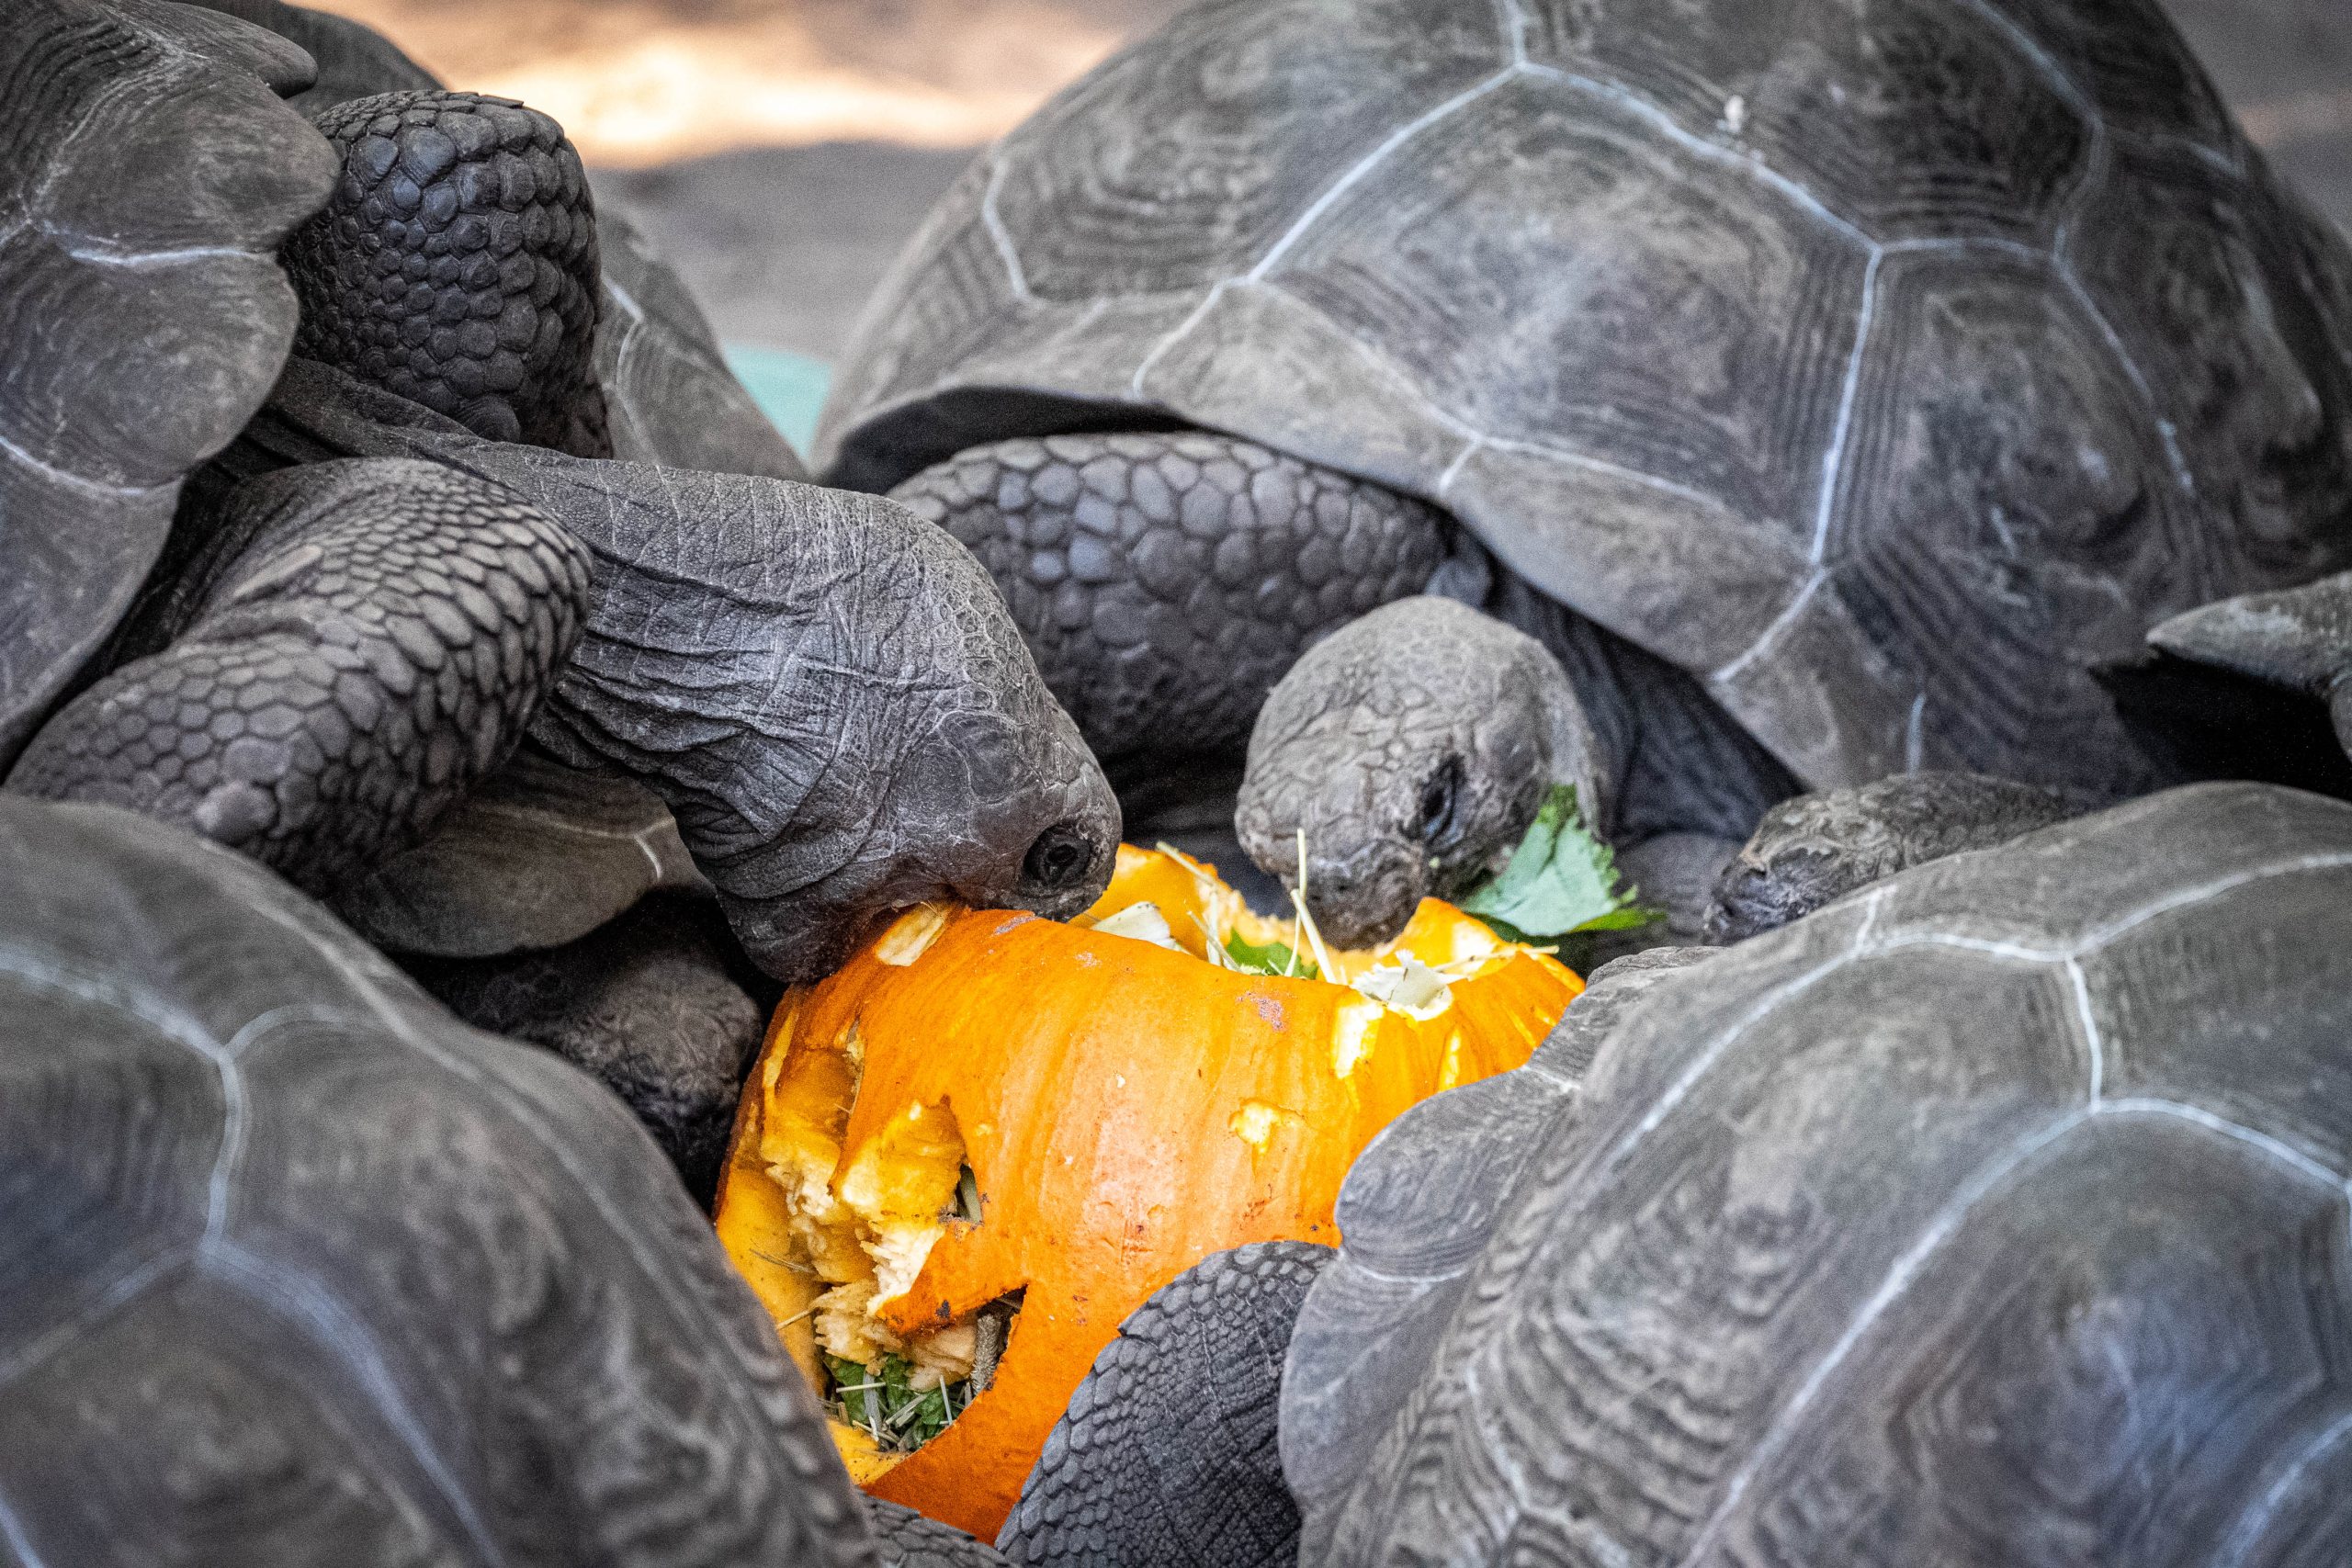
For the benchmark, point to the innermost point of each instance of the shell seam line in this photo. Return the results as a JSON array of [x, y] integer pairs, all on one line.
[[685, 1305], [1002, 237], [1513, 18], [2254, 1521], [102, 255], [627, 301], [335, 1331], [2094, 1042], [1833, 462], [1315, 209], [1712, 152], [76, 481], [12, 1532], [2294, 1159], [117, 1296], [1899, 1278], [1780, 623]]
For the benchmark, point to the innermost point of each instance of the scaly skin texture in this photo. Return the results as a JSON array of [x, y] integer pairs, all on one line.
[[1412, 749], [904, 1538], [359, 644], [1817, 848], [1166, 1457], [456, 265], [1165, 581]]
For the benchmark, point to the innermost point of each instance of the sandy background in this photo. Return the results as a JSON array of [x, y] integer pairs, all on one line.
[[783, 150]]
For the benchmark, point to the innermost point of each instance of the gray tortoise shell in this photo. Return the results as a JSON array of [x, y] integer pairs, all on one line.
[[1996, 1216], [1884, 363], [148, 170], [289, 1258]]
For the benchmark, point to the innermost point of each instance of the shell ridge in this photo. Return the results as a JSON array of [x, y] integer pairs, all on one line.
[[1899, 1278], [126, 1290], [335, 1330], [12, 1533], [1833, 461], [2254, 1522], [2223, 1126], [687, 1305], [993, 221]]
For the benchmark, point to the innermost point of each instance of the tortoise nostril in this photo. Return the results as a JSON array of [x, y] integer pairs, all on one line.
[[1059, 859], [1440, 797]]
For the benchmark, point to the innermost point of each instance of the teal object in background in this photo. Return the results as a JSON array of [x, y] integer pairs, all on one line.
[[789, 387]]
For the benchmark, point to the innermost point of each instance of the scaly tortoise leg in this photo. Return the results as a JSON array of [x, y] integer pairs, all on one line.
[[357, 645], [1166, 1457]]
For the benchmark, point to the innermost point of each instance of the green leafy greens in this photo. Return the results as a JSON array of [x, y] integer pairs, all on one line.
[[1560, 880], [1271, 958], [898, 1417]]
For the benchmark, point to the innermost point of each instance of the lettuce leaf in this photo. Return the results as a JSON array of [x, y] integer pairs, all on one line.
[[1560, 880], [1271, 958]]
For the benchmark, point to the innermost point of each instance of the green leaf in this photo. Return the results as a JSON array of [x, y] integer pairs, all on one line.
[[1560, 880], [1271, 958]]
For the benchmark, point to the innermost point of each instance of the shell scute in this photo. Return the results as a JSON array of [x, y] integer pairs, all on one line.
[[1902, 117], [2009, 503]]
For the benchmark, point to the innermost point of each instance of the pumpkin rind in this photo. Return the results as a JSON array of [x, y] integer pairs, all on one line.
[[1125, 1109]]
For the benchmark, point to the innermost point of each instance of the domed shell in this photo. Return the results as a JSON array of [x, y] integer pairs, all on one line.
[[289, 1257], [1993, 1216], [150, 173], [1883, 363]]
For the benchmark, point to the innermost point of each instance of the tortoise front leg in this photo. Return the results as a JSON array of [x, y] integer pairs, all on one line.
[[1167, 1456], [1165, 581], [357, 645]]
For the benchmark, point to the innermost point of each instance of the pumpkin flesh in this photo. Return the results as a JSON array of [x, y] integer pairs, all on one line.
[[1124, 1108]]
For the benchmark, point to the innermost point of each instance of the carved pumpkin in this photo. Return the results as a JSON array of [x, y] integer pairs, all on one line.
[[1122, 1106]]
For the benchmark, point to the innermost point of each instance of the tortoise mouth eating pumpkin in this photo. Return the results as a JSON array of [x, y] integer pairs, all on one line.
[[965, 1159]]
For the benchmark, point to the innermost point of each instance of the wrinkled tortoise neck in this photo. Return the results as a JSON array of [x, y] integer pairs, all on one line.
[[456, 265], [1166, 579]]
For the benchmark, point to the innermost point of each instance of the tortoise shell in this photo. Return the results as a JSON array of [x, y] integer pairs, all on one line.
[[1993, 1216], [1885, 364], [148, 172], [291, 1259]]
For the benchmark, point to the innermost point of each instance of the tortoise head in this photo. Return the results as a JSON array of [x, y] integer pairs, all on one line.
[[1410, 752], [831, 696]]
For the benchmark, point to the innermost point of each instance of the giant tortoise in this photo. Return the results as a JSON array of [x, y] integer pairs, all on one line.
[[294, 1268], [1995, 1215], [1827, 386], [348, 628]]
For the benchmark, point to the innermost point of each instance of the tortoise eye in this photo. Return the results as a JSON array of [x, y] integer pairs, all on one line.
[[1441, 800]]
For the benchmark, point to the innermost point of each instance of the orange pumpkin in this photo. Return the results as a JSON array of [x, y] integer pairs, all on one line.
[[1126, 1107]]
